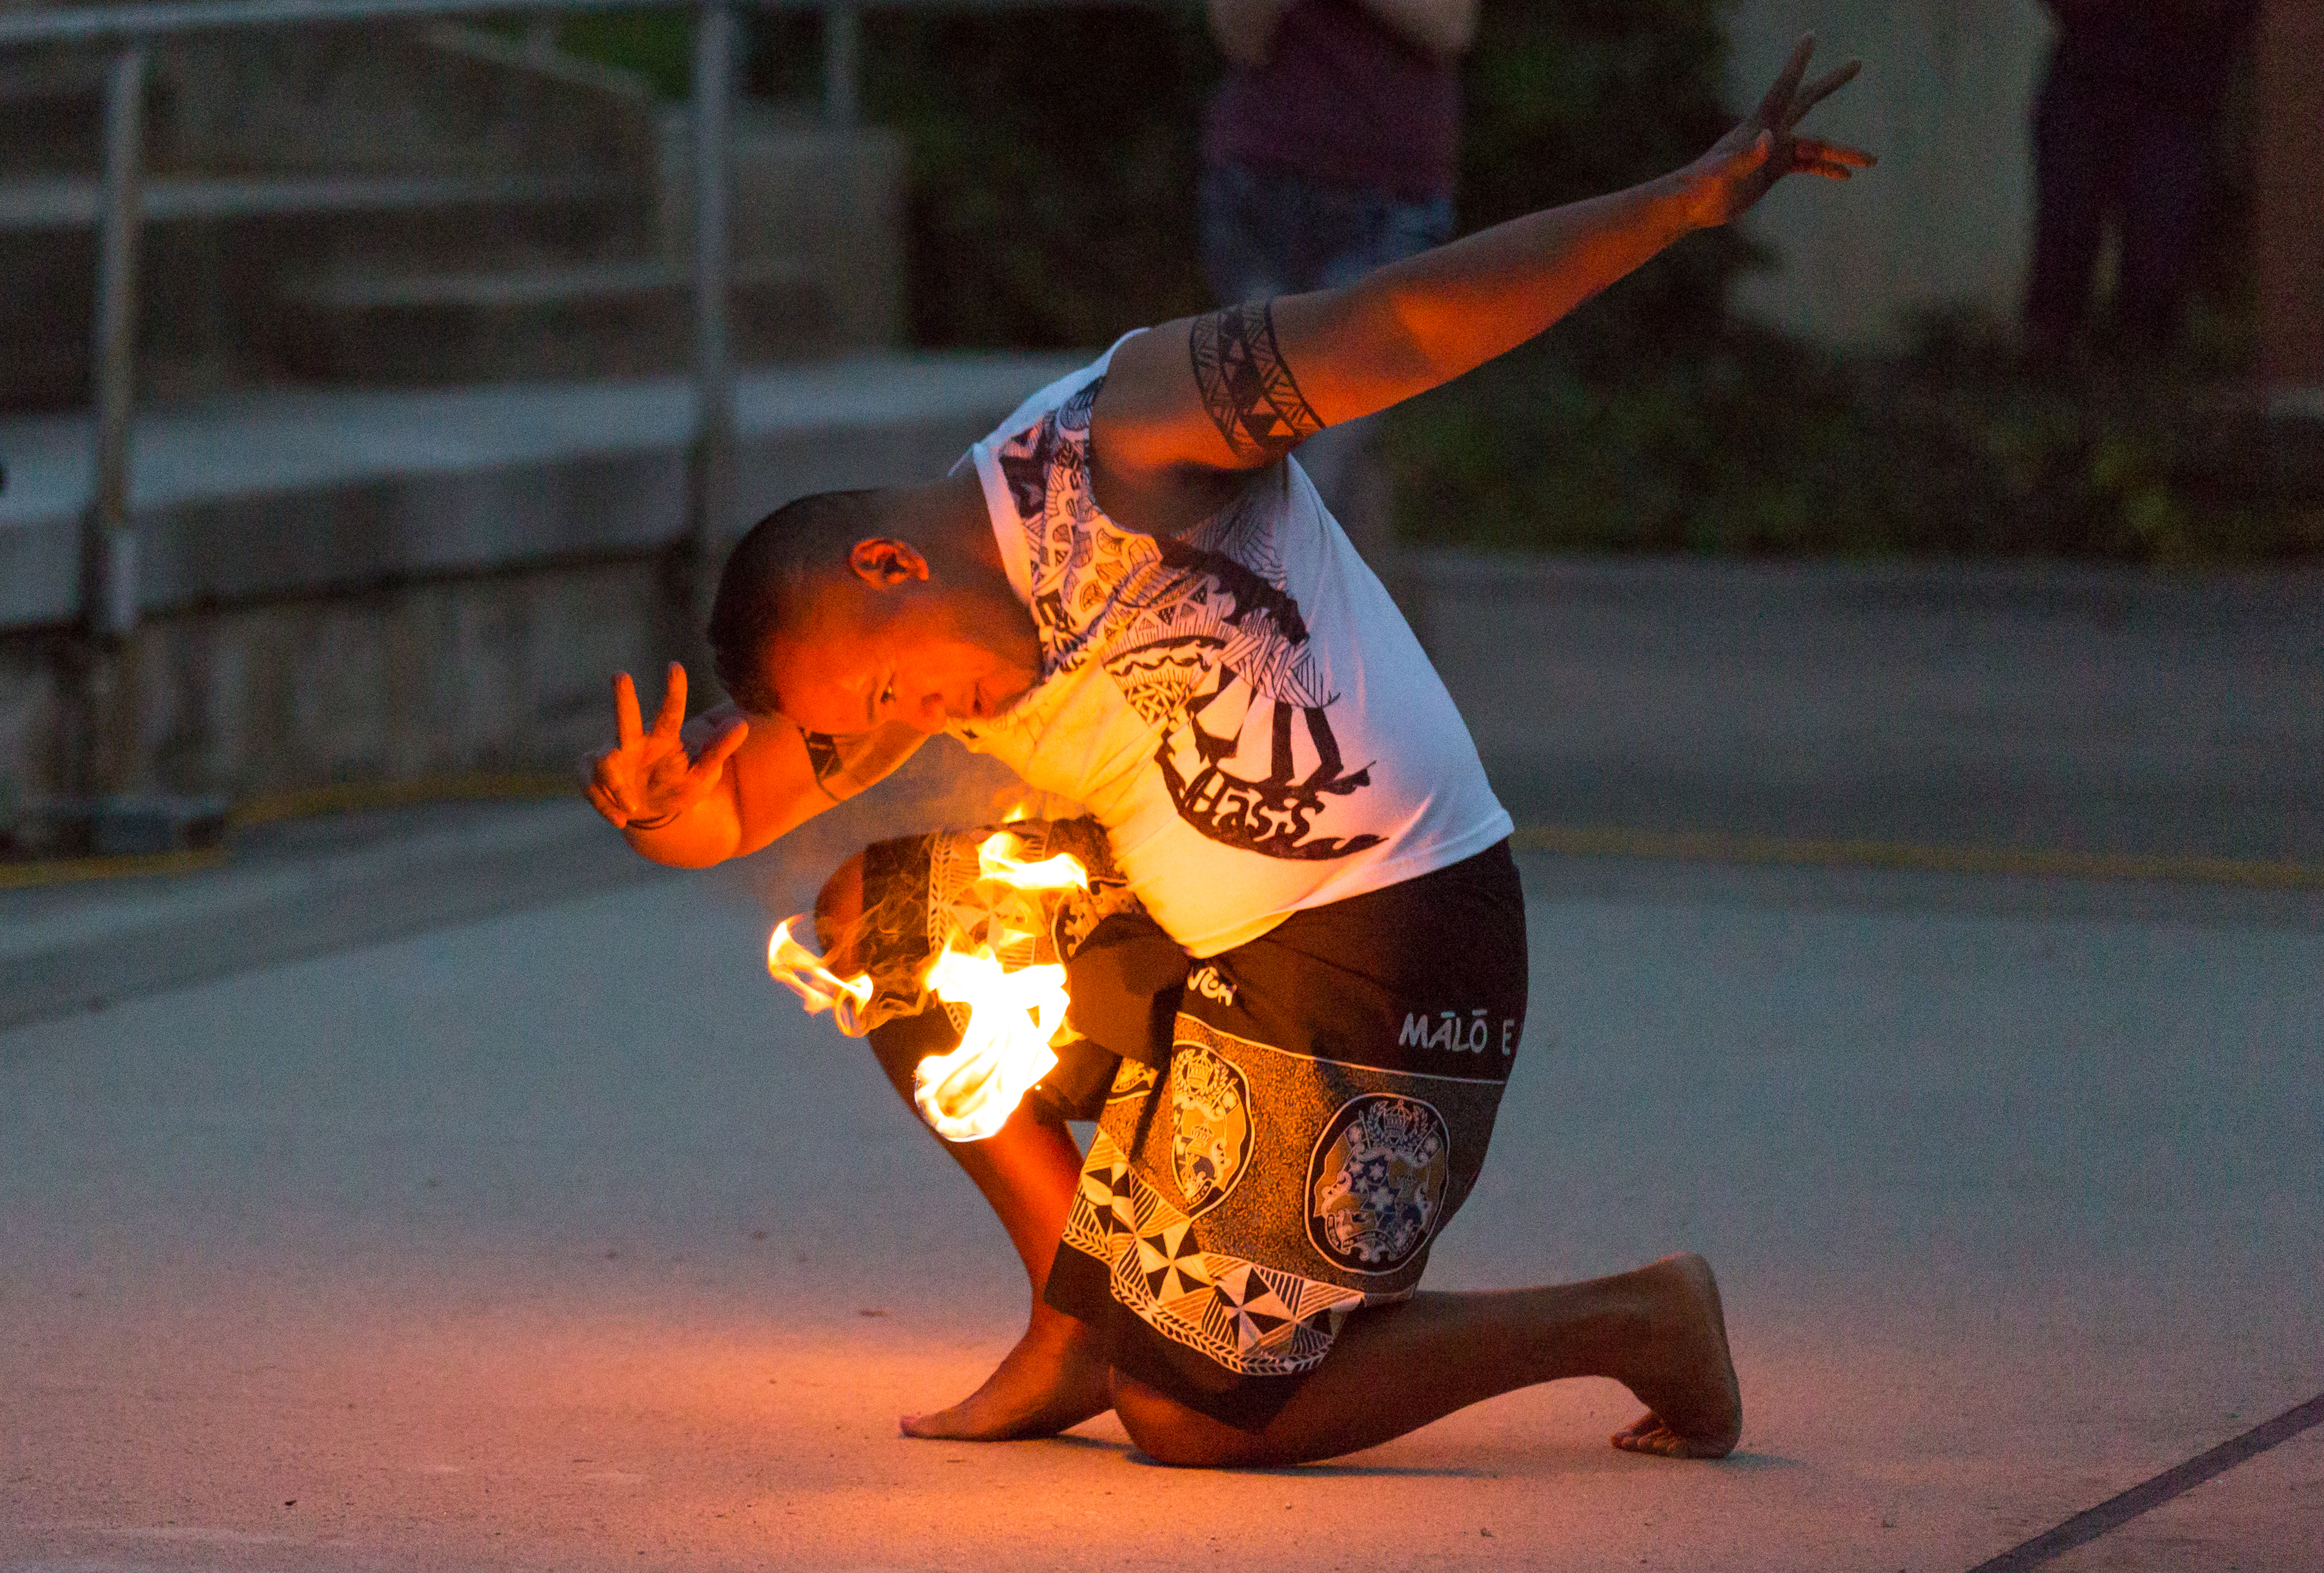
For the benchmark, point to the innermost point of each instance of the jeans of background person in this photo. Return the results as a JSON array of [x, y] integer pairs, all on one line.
[[1268, 233], [2104, 153]]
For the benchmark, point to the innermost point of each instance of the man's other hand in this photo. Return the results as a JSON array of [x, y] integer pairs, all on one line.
[[1725, 182], [648, 778]]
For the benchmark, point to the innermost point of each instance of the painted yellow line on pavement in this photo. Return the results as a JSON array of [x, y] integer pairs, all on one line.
[[2009, 861], [69, 870], [346, 797]]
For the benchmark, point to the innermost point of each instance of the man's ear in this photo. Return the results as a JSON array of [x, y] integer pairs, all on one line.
[[883, 561]]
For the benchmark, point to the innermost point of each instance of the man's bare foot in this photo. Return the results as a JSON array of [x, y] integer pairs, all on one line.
[[1684, 1373], [1051, 1379]]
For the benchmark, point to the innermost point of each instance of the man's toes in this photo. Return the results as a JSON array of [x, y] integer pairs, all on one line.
[[1651, 1435], [955, 1424], [1644, 1426], [943, 1425]]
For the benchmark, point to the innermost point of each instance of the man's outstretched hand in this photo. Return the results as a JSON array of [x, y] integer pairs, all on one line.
[[647, 778], [1762, 148]]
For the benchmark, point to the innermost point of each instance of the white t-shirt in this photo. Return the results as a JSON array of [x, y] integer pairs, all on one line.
[[1242, 706]]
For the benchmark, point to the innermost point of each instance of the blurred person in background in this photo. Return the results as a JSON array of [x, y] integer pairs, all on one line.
[[1329, 151], [2124, 130]]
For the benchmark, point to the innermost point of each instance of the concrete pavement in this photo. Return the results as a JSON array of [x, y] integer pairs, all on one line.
[[2025, 705], [531, 1226], [562, 1240]]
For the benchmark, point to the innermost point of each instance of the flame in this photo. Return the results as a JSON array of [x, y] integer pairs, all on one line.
[[1015, 1016], [970, 1093], [802, 971], [1061, 872]]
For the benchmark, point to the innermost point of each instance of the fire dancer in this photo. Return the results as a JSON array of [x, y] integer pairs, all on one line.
[[1297, 962]]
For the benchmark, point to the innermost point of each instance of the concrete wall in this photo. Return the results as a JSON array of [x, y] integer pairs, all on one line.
[[351, 587], [831, 197], [501, 671], [1946, 100]]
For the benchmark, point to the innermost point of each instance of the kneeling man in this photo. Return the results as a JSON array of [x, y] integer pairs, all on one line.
[[1299, 970]]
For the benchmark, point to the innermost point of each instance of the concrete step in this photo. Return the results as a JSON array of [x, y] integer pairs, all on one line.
[[32, 204], [264, 494], [432, 327], [50, 110], [216, 245], [279, 154]]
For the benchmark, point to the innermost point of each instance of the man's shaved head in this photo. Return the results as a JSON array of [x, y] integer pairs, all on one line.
[[767, 577], [845, 611]]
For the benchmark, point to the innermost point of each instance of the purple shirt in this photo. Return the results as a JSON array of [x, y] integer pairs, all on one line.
[[2174, 57], [1344, 100]]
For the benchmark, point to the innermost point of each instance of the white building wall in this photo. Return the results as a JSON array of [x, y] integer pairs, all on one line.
[[1946, 100]]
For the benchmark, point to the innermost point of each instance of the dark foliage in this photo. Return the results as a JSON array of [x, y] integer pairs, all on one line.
[[1573, 98], [1053, 164], [1758, 445], [1054, 156], [1054, 151]]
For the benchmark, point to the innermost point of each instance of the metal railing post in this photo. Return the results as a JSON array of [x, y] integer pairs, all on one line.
[[842, 45], [105, 756], [712, 498]]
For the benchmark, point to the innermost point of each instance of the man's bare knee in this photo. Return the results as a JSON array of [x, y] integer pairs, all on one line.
[[839, 903], [1168, 1432]]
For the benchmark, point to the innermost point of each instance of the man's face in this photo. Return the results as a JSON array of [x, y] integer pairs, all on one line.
[[903, 649]]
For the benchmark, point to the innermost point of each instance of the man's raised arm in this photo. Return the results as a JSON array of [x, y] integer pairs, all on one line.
[[1189, 405], [692, 793]]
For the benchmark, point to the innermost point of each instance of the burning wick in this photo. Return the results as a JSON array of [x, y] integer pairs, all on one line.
[[970, 1093], [1015, 1014], [802, 971]]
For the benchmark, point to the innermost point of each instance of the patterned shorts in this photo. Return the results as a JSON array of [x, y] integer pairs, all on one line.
[[1282, 1131]]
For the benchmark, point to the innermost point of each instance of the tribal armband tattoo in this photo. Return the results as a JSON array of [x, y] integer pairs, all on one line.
[[1249, 390], [845, 765]]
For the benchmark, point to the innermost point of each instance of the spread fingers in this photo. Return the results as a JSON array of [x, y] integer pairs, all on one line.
[[1817, 157], [627, 726], [673, 704], [1775, 105], [1822, 89]]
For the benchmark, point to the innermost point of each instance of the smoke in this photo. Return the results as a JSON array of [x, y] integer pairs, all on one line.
[[943, 787]]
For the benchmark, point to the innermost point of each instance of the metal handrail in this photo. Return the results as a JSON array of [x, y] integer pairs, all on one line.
[[108, 559], [151, 19], [108, 585]]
